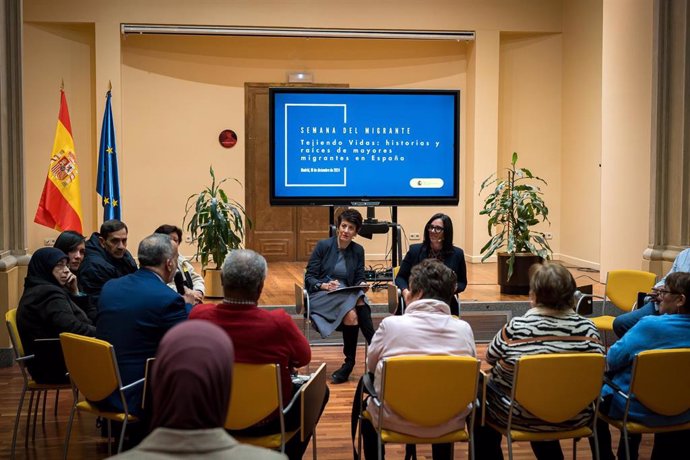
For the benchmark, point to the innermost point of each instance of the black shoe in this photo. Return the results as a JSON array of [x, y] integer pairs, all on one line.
[[342, 375]]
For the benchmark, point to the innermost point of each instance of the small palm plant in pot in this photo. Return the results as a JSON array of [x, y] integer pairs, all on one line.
[[216, 224], [514, 205]]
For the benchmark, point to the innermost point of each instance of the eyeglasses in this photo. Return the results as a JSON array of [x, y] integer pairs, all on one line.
[[436, 229], [662, 292]]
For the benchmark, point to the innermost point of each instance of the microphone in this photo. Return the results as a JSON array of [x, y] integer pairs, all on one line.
[[179, 282]]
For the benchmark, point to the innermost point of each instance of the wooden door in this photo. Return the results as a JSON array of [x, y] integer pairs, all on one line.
[[279, 233]]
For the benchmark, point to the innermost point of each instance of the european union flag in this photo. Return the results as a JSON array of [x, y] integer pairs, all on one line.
[[108, 183]]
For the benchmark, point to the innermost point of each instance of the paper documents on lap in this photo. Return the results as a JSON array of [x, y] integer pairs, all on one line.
[[363, 287]]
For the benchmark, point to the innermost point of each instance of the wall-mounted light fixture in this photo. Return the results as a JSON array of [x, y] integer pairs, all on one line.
[[300, 77]]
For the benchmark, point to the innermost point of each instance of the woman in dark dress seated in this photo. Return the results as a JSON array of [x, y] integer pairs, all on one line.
[[338, 262], [45, 310], [437, 244]]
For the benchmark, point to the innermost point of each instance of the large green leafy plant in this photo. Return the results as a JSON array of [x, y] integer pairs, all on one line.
[[215, 222], [514, 205]]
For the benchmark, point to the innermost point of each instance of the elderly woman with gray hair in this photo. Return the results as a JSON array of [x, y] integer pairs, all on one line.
[[260, 336]]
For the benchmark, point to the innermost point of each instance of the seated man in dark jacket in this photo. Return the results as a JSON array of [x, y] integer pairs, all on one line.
[[136, 310], [106, 258]]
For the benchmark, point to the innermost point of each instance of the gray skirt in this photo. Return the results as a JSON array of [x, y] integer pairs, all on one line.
[[329, 309]]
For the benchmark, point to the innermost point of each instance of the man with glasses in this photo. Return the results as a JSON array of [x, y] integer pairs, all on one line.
[[669, 329], [624, 322], [136, 310]]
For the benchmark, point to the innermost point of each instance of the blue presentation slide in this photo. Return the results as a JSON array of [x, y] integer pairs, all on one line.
[[365, 144]]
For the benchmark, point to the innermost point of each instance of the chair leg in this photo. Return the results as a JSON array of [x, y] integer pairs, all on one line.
[[69, 427], [55, 409], [575, 448], [359, 437], [307, 333], [313, 444], [110, 440], [596, 444], [624, 434], [43, 415], [122, 435], [28, 419], [38, 402], [16, 421], [380, 445]]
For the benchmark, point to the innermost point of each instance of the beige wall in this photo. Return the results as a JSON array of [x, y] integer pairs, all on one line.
[[180, 92], [530, 114], [525, 87], [53, 53], [581, 137], [526, 15], [626, 132]]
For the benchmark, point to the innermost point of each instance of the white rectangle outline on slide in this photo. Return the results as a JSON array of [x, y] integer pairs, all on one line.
[[344, 184]]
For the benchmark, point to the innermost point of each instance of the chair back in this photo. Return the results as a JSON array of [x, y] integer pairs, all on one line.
[[11, 321], [299, 299], [256, 394], [313, 393], [393, 300], [556, 387], [91, 364], [665, 396], [622, 286], [145, 396], [429, 390]]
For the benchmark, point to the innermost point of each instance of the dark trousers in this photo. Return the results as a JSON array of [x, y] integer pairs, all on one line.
[[294, 448], [487, 446], [370, 441], [667, 446]]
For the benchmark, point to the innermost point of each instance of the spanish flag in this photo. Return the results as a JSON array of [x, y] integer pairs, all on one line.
[[60, 205]]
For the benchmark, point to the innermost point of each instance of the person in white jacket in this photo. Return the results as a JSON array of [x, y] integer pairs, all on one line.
[[186, 279], [426, 328]]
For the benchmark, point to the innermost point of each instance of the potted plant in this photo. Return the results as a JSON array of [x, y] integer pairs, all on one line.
[[514, 205], [216, 226]]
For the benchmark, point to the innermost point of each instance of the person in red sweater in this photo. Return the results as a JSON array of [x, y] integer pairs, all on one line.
[[260, 336]]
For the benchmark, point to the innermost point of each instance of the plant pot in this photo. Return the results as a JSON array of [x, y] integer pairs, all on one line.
[[214, 286], [519, 282]]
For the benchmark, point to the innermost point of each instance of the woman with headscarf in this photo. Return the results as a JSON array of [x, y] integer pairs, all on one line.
[[190, 388], [45, 310]]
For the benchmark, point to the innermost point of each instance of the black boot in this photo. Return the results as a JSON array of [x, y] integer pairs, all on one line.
[[365, 322], [350, 334]]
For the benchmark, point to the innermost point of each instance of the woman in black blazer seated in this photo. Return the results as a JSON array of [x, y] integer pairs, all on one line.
[[438, 244], [338, 262]]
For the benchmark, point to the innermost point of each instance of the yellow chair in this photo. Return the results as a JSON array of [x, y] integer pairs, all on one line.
[[665, 396], [93, 370], [427, 391], [622, 287], [554, 388], [262, 382], [28, 383], [257, 393]]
